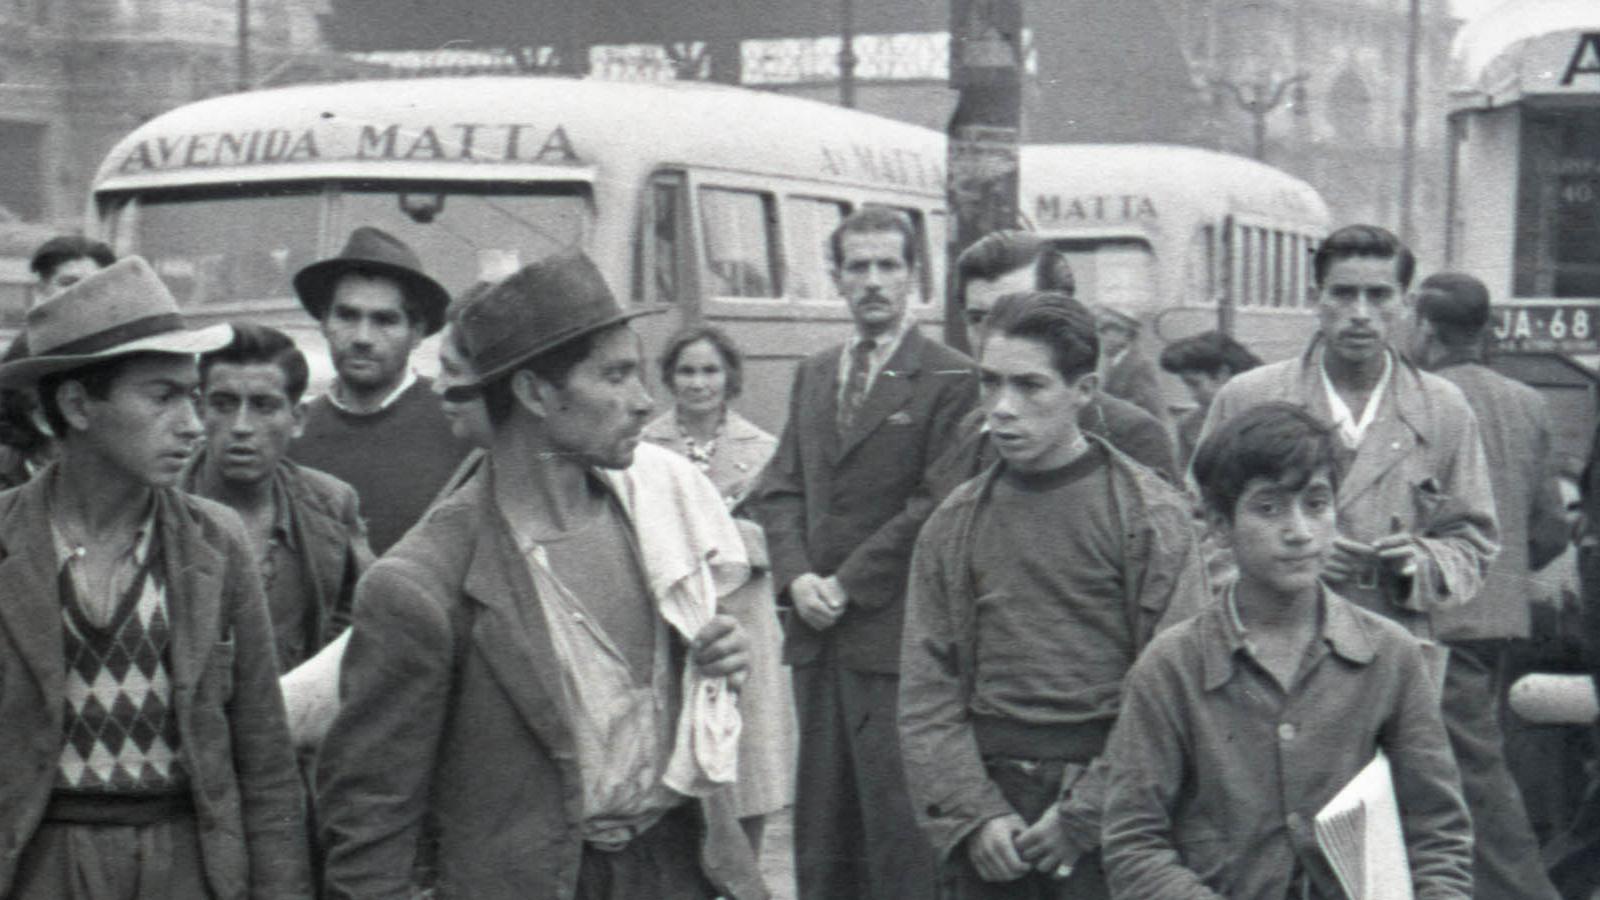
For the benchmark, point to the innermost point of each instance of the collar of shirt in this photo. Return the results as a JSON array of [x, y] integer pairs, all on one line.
[[884, 348], [1226, 636], [1351, 429], [135, 554], [405, 385]]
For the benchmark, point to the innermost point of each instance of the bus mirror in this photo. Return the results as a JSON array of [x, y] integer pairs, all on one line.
[[422, 208]]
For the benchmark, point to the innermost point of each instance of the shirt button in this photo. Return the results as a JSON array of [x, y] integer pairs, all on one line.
[[1293, 821], [1286, 731]]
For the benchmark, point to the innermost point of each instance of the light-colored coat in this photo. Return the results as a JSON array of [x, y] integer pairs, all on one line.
[[1420, 468], [235, 744], [742, 451]]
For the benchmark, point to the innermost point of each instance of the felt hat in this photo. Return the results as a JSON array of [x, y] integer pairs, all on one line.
[[121, 309], [541, 307], [377, 252], [1122, 317]]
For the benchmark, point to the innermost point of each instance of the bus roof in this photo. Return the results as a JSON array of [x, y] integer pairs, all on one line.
[[1110, 186], [1524, 48], [516, 127]]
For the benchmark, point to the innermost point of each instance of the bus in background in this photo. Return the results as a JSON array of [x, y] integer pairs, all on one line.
[[1524, 194], [1184, 239], [706, 201]]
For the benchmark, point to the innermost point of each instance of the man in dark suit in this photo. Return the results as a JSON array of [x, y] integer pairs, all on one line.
[[1448, 334], [865, 419]]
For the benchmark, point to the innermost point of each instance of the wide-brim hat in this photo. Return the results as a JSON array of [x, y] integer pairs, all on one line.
[[375, 252], [121, 309], [537, 309], [1124, 317]]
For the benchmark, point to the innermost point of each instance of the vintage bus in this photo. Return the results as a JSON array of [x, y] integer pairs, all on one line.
[[1524, 194], [705, 201], [1185, 239]]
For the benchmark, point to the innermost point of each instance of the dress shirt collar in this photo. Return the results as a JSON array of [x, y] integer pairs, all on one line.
[[394, 395], [1351, 429]]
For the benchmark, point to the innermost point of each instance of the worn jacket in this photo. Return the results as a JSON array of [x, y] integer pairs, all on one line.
[[453, 713], [325, 520], [838, 505], [1420, 468], [1133, 377], [1515, 425], [234, 741], [1217, 774], [1165, 583]]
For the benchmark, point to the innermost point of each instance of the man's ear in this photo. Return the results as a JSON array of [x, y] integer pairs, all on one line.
[[298, 412], [73, 401], [1089, 384], [533, 393]]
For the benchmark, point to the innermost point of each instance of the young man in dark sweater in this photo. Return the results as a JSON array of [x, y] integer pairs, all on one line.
[[1033, 588], [143, 734], [380, 427]]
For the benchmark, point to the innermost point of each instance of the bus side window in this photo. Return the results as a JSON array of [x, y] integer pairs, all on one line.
[[662, 244], [807, 223], [739, 235]]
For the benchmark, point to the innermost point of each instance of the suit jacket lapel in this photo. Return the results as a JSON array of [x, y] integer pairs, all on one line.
[[194, 574], [822, 400], [30, 604], [890, 391], [510, 630]]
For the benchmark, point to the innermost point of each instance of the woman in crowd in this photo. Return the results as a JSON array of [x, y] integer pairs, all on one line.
[[702, 370]]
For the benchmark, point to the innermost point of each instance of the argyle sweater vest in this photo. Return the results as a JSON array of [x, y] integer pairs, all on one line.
[[121, 730]]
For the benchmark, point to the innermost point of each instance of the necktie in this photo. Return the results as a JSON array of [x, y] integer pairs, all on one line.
[[855, 384]]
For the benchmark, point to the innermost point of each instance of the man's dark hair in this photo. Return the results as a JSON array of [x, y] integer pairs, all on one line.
[[1277, 441], [1000, 253], [1456, 305], [62, 249], [870, 219], [1208, 352], [258, 344], [97, 379], [732, 359], [416, 312], [1364, 240], [1055, 320], [554, 366]]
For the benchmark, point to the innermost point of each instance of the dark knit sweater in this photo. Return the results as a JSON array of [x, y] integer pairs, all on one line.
[[396, 458]]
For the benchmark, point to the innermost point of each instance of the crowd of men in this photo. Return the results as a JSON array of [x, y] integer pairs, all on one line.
[[1045, 642]]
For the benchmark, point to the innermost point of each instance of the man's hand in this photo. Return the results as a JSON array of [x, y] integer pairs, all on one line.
[[722, 648], [818, 604], [1347, 560], [993, 850], [1043, 844], [1400, 553]]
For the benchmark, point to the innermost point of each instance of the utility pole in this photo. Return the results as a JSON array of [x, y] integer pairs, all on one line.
[[242, 61], [1408, 122], [847, 54], [985, 131]]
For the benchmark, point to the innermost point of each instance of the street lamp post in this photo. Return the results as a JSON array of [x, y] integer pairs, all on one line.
[[1259, 98]]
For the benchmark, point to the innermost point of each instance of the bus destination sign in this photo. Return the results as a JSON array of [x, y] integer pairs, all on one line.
[[1546, 328]]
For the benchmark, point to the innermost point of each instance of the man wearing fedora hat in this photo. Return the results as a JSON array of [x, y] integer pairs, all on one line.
[[379, 427], [140, 719], [518, 683], [1125, 372]]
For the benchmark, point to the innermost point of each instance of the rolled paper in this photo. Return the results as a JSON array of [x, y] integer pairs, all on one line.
[[311, 693], [1547, 699]]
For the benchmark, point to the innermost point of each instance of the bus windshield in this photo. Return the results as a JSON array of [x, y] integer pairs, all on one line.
[[1118, 272], [242, 244]]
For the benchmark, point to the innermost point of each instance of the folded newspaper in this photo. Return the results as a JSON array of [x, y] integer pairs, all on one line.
[[1359, 833]]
